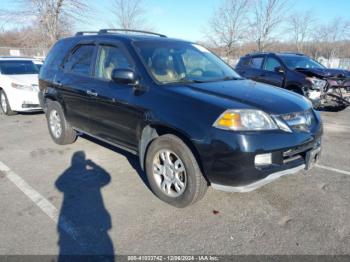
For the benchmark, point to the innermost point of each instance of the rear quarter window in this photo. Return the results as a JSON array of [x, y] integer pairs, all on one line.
[[56, 55], [243, 62]]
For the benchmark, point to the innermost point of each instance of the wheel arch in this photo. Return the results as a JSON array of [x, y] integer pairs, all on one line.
[[48, 94], [152, 131], [294, 88], [46, 99], [9, 103]]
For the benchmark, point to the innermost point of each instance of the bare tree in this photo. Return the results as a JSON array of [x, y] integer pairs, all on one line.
[[266, 18], [130, 14], [51, 19], [329, 35], [228, 25], [300, 27]]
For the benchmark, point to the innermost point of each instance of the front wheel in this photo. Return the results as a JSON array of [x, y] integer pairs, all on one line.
[[5, 105], [60, 130], [173, 172]]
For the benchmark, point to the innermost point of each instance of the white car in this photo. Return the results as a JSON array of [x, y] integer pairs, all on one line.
[[18, 85]]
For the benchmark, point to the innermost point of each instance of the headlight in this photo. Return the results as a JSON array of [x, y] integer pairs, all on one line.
[[317, 83], [245, 120], [22, 87]]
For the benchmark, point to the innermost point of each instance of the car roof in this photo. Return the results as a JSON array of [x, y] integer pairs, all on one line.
[[276, 53]]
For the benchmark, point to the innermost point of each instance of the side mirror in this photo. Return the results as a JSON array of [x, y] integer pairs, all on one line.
[[279, 69], [125, 76]]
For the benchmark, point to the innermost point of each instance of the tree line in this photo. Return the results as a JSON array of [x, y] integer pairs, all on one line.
[[46, 21], [236, 27], [241, 26]]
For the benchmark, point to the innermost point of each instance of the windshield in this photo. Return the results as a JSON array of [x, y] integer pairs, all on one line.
[[18, 67], [293, 62], [183, 62]]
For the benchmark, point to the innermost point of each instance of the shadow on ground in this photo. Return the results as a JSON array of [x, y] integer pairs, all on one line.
[[132, 159], [332, 108], [84, 221]]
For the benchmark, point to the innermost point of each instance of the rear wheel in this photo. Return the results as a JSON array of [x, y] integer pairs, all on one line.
[[60, 130], [5, 105], [173, 172]]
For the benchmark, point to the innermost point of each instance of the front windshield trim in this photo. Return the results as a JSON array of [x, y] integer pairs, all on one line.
[[178, 82]]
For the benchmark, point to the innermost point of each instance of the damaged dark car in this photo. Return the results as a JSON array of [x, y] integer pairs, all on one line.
[[299, 73]]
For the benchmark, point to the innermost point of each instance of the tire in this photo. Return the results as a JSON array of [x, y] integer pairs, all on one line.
[[193, 184], [5, 108], [60, 130]]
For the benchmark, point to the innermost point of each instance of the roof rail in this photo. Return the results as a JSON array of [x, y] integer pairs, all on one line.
[[259, 53], [270, 52], [292, 53], [86, 33], [106, 31]]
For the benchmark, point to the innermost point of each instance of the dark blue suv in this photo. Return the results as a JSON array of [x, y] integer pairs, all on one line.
[[299, 73], [191, 119]]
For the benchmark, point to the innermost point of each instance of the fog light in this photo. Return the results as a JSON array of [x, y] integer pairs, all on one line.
[[263, 160]]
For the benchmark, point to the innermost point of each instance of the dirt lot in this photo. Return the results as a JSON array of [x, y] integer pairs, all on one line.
[[50, 206]]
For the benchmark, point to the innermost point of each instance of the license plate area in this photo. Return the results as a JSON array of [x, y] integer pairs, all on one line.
[[311, 157]]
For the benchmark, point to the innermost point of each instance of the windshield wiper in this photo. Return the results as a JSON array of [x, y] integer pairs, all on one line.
[[227, 78], [186, 80]]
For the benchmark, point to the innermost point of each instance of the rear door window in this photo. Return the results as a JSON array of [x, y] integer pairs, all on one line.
[[80, 61], [256, 62], [271, 64]]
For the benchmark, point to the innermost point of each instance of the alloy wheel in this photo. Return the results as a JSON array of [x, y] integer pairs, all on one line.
[[55, 123], [169, 173]]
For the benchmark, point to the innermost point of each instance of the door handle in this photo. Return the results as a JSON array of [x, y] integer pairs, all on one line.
[[57, 83], [91, 93]]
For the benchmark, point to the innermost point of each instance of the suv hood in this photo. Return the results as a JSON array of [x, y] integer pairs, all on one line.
[[31, 79], [250, 94], [324, 72]]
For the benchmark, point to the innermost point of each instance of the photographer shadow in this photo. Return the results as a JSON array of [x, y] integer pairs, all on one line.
[[132, 159], [84, 221]]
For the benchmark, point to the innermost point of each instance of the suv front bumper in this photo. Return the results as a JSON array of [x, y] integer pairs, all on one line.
[[229, 162], [259, 183], [310, 158]]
